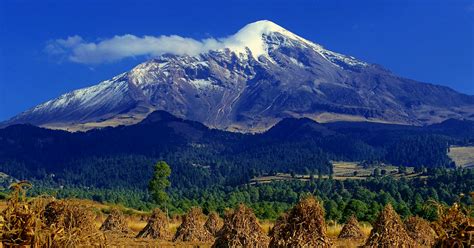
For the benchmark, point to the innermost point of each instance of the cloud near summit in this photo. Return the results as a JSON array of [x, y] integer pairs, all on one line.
[[77, 50]]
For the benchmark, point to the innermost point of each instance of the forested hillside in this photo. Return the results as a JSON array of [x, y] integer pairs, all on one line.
[[341, 199], [123, 157]]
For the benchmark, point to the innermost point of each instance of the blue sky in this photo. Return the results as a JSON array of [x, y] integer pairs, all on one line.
[[426, 40]]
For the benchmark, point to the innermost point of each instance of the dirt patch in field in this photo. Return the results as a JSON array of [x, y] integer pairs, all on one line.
[[241, 229], [301, 226]]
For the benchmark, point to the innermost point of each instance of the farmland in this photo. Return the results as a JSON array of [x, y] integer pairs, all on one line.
[[344, 170], [463, 156], [137, 220]]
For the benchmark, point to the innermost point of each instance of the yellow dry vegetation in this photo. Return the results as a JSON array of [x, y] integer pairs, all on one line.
[[3, 205], [452, 219], [463, 156]]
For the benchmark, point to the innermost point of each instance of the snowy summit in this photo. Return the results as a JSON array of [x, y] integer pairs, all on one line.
[[248, 82]]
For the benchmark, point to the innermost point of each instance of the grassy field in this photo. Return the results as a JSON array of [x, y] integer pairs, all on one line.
[[463, 156], [342, 171]]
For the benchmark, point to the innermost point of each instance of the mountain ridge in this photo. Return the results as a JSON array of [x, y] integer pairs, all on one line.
[[265, 74], [125, 155]]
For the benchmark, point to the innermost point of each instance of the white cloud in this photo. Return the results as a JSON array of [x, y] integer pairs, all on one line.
[[76, 49], [120, 47], [61, 46]]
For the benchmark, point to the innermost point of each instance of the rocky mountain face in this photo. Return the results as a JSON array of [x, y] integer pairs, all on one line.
[[269, 75]]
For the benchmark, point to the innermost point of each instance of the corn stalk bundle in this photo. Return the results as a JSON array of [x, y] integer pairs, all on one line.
[[157, 226], [241, 229], [301, 226], [388, 231], [192, 228]]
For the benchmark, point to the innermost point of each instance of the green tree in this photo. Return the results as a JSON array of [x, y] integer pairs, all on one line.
[[357, 208], [159, 183], [376, 172]]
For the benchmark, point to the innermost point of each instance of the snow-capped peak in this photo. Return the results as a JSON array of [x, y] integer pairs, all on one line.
[[251, 37]]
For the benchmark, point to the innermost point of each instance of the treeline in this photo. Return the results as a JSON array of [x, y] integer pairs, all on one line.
[[205, 166], [123, 157], [341, 199]]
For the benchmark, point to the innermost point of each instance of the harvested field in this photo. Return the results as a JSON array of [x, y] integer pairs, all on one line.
[[72, 223], [463, 156], [342, 171]]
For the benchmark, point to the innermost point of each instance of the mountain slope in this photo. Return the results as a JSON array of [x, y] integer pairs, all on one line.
[[124, 156], [265, 74]]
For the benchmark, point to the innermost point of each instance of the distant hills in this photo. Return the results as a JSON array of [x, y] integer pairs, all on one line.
[[123, 156], [269, 75]]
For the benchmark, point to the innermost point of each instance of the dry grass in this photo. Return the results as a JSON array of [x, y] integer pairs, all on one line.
[[3, 205], [124, 119], [463, 156], [136, 225], [333, 231], [266, 225]]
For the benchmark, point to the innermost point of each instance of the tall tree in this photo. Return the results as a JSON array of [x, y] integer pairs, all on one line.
[[158, 184]]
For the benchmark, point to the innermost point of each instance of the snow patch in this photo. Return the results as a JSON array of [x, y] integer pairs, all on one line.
[[202, 84], [296, 62], [107, 92]]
